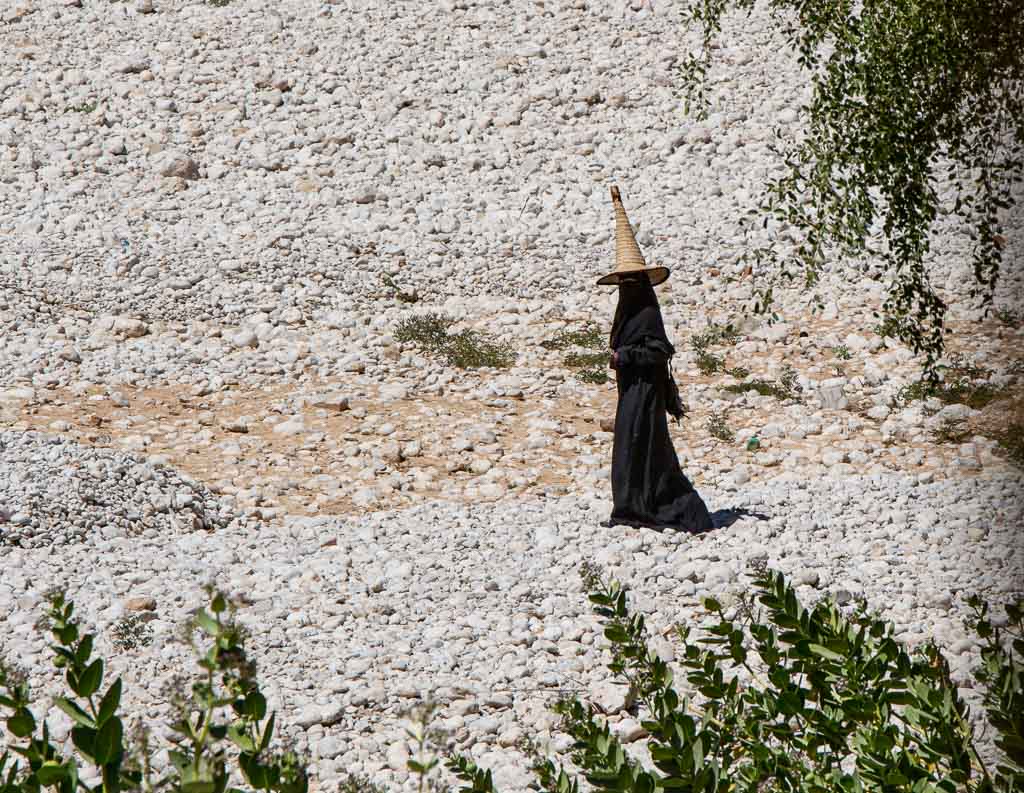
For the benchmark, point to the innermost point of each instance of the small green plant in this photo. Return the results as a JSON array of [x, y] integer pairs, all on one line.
[[594, 376], [718, 428], [780, 697], [466, 349], [223, 720], [707, 362], [1009, 317], [842, 352], [425, 742], [219, 3], [85, 107], [131, 632], [961, 383], [739, 372], [589, 337], [429, 331], [590, 367], [714, 333], [357, 783], [785, 388]]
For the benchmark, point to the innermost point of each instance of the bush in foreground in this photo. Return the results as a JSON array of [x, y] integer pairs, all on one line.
[[223, 727], [777, 697]]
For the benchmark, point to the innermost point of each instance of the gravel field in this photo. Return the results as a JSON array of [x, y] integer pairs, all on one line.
[[214, 218]]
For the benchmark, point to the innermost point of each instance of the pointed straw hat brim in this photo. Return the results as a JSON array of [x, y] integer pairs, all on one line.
[[656, 275]]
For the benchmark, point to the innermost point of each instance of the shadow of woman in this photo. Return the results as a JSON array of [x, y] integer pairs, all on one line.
[[724, 518]]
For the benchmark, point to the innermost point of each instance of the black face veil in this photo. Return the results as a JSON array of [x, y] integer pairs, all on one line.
[[637, 315]]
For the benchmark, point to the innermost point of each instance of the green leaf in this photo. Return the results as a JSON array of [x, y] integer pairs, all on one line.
[[616, 634], [110, 701], [199, 786], [50, 773], [268, 733], [84, 739], [256, 706], [824, 652], [90, 679], [84, 650], [108, 741], [178, 759], [240, 738], [77, 715], [207, 623], [257, 775], [698, 754], [218, 604], [21, 724]]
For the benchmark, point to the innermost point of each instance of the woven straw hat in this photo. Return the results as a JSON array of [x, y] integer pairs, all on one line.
[[628, 258]]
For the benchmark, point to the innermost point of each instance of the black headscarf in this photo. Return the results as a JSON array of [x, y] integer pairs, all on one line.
[[638, 321], [637, 316]]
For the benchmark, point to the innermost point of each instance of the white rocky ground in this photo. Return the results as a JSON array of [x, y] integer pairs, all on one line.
[[199, 380]]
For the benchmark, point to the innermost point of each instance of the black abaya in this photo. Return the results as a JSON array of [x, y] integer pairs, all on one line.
[[648, 486]]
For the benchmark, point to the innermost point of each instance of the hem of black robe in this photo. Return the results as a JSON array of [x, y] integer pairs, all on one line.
[[642, 524]]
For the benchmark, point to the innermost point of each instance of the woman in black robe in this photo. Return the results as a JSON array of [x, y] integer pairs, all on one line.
[[648, 486]]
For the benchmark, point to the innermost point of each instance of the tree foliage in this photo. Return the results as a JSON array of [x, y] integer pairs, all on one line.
[[917, 110]]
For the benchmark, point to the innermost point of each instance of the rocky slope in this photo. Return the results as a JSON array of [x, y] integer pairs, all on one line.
[[213, 219]]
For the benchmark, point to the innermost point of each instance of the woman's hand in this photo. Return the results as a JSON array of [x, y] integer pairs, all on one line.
[[613, 361]]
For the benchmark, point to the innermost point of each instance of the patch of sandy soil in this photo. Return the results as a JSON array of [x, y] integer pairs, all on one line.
[[538, 446]]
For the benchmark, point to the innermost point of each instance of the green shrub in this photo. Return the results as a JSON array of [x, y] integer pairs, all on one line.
[[786, 387], [894, 328], [716, 334], [85, 107], [594, 376], [356, 783], [591, 366], [786, 698], [466, 349], [717, 428], [707, 362], [959, 385], [1009, 317], [589, 337], [842, 352], [779, 698], [223, 724]]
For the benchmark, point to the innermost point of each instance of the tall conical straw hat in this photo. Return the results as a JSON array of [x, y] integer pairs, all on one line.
[[628, 258]]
